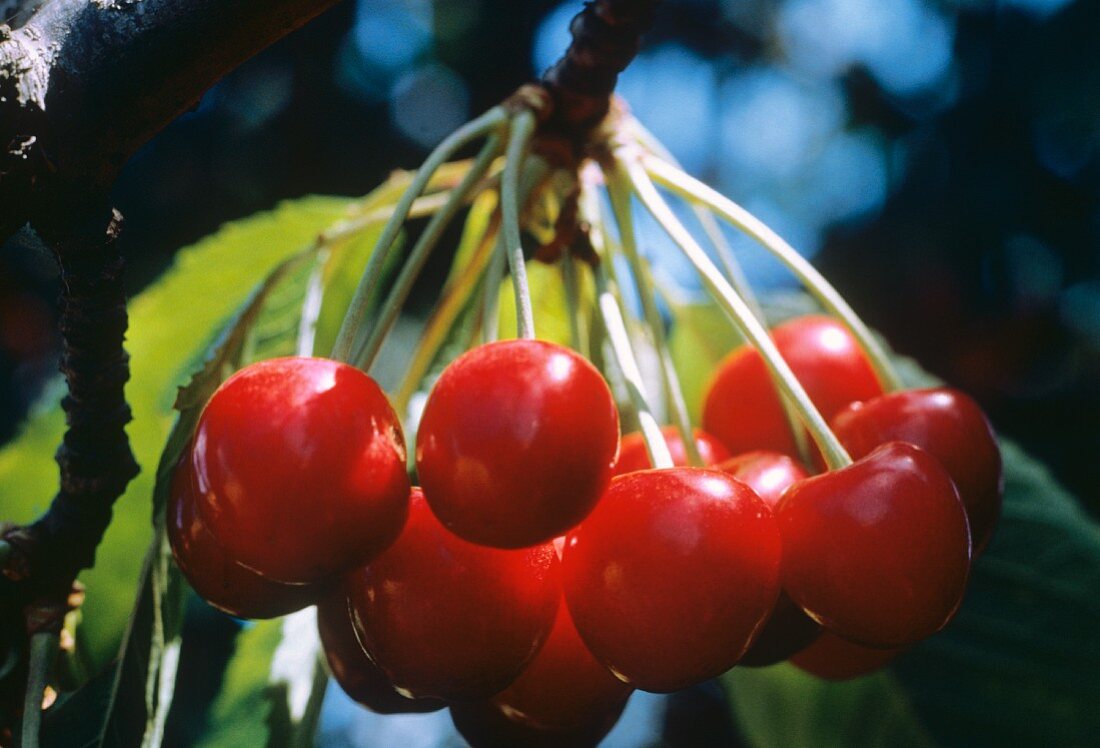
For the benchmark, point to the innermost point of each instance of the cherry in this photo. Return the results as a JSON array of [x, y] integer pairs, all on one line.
[[788, 630], [633, 455], [357, 675], [877, 552], [834, 658], [483, 725], [517, 442], [213, 573], [564, 688], [672, 575], [299, 465], [742, 407], [451, 619], [767, 473], [951, 427]]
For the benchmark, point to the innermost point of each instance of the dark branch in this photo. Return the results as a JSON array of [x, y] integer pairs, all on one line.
[[84, 83], [606, 37]]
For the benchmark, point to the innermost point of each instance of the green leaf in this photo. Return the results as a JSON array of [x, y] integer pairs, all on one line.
[[781, 705], [273, 687], [1020, 664], [170, 327]]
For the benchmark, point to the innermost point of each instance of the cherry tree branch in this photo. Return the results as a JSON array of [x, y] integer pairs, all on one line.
[[84, 83], [606, 37]]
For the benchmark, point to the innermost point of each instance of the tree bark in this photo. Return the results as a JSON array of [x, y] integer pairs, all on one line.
[[84, 83], [606, 37]]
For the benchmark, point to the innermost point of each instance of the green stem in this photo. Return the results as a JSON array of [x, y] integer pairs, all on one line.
[[614, 325], [571, 285], [610, 310], [695, 191], [453, 301], [43, 649], [619, 191], [311, 307], [414, 264], [345, 339], [523, 128], [734, 272], [490, 316], [739, 312]]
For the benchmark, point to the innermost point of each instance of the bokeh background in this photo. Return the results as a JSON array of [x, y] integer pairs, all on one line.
[[938, 159]]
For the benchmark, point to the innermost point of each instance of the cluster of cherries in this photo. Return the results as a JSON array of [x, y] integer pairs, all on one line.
[[543, 570]]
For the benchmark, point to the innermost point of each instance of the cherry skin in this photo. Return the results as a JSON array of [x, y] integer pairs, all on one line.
[[788, 630], [299, 464], [767, 473], [834, 658], [950, 426], [517, 442], [742, 407], [633, 455], [357, 675], [450, 619], [564, 688], [672, 575], [877, 552], [213, 573]]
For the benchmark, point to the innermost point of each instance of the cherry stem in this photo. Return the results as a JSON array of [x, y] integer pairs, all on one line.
[[523, 128], [311, 306], [570, 285], [734, 273], [372, 274], [414, 264], [490, 320], [619, 192], [696, 192], [615, 327], [454, 299], [613, 323], [831, 448], [456, 294], [43, 649]]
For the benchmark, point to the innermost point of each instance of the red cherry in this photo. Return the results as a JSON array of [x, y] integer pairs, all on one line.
[[483, 725], [672, 575], [516, 443], [633, 455], [767, 473], [834, 658], [742, 407], [213, 573], [788, 630], [357, 675], [877, 552], [951, 427], [300, 468], [451, 619], [564, 688]]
